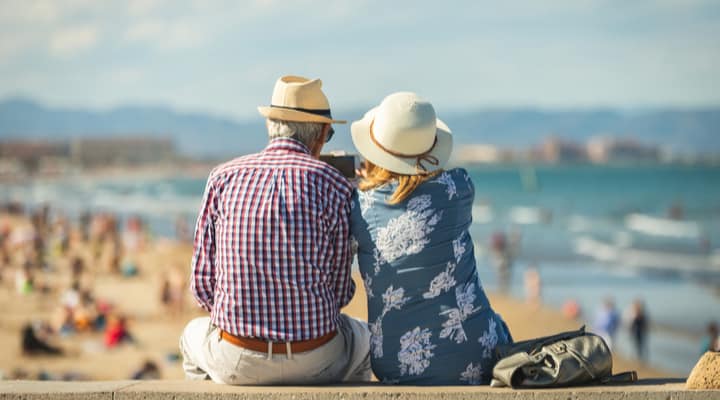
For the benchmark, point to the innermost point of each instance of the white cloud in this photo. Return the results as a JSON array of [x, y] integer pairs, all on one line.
[[124, 75], [177, 34], [8, 48], [46, 11], [552, 52], [29, 11], [145, 31], [71, 40], [143, 7]]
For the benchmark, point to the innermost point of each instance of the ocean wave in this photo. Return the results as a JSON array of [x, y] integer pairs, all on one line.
[[529, 215], [649, 259], [137, 203], [128, 197], [482, 214], [656, 226]]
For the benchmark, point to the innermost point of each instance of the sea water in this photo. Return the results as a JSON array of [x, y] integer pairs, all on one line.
[[577, 224], [574, 224]]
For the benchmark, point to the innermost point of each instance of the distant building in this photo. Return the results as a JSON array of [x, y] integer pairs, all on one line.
[[11, 169], [31, 154], [555, 150], [478, 153], [93, 152], [616, 150]]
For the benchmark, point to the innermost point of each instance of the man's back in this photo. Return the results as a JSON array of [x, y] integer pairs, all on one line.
[[272, 256]]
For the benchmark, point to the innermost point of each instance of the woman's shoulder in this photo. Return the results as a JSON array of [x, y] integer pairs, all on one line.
[[459, 174], [454, 182], [370, 205]]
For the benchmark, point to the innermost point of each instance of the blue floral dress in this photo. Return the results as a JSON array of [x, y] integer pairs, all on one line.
[[430, 320]]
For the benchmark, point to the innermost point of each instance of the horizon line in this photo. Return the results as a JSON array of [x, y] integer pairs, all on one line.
[[52, 106]]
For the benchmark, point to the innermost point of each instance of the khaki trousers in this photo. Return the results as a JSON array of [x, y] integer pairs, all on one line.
[[345, 358]]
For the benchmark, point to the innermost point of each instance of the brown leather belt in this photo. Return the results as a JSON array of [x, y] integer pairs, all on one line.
[[261, 346]]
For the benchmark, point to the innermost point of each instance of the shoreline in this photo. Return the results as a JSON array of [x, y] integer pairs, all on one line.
[[200, 169], [194, 170]]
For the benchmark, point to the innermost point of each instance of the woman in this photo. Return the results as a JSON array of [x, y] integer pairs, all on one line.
[[430, 320]]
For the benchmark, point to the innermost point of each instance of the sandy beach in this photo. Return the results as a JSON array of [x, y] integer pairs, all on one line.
[[156, 332]]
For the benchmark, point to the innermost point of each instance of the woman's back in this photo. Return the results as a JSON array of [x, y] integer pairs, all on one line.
[[430, 319]]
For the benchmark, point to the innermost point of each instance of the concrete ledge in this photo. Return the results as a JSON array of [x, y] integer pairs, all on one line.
[[661, 389]]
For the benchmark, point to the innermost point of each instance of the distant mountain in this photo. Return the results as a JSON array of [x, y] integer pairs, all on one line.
[[681, 130], [205, 135], [195, 134]]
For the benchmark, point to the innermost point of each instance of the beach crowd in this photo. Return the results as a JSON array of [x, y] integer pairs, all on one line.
[[48, 259]]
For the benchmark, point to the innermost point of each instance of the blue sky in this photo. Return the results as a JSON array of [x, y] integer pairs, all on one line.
[[224, 56]]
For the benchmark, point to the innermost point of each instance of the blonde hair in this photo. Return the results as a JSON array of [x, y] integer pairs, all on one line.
[[376, 176]]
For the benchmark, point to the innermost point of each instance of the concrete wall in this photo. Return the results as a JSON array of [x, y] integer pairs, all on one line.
[[157, 390]]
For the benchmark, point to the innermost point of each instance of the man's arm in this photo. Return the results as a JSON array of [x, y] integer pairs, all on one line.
[[344, 285], [202, 282]]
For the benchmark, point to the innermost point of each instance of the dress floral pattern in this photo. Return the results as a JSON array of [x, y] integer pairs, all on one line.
[[425, 299], [366, 201], [472, 374], [377, 261], [367, 283], [459, 247], [415, 351], [443, 282], [447, 180], [489, 339], [452, 327], [393, 299], [408, 233]]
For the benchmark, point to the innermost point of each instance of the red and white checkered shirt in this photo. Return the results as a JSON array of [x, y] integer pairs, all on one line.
[[272, 253]]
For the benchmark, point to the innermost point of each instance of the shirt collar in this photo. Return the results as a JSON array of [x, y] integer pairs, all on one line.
[[287, 144]]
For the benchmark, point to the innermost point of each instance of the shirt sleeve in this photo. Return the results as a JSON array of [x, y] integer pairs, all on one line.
[[343, 283], [202, 282]]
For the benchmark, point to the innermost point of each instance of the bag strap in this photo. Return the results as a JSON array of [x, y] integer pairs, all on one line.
[[583, 362], [623, 377], [542, 342], [532, 346]]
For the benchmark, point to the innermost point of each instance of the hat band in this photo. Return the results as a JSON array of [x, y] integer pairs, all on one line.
[[322, 113], [419, 158]]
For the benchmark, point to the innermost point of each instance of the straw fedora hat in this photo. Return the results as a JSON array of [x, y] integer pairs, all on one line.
[[299, 99], [403, 135]]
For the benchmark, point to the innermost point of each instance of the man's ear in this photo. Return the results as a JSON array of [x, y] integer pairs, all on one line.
[[325, 132], [317, 148]]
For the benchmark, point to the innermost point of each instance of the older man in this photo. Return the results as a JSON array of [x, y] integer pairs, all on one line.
[[272, 259]]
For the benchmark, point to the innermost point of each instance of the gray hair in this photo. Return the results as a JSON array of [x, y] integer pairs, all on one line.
[[306, 132]]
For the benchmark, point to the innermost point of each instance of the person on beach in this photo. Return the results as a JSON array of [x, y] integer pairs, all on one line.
[[607, 321], [533, 286], [34, 340], [116, 331], [5, 260], [502, 257], [148, 371], [639, 328], [430, 320], [272, 259], [172, 291], [711, 340]]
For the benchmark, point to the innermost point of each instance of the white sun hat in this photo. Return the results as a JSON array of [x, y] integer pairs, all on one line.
[[403, 135], [299, 99]]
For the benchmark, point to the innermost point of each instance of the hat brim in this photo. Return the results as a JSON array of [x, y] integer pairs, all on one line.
[[360, 132], [285, 114]]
